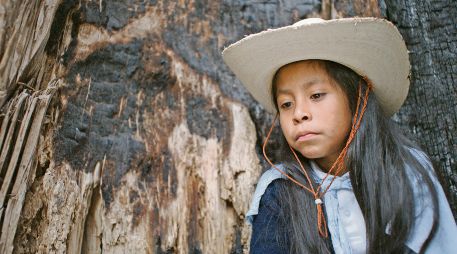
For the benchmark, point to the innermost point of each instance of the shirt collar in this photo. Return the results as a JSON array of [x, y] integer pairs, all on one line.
[[341, 182]]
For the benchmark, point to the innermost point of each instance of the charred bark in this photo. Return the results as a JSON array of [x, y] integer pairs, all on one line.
[[430, 111]]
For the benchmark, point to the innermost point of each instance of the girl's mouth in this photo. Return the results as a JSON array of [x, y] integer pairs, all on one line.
[[305, 136]]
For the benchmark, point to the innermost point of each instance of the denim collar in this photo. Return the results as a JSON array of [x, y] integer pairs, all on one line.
[[340, 182]]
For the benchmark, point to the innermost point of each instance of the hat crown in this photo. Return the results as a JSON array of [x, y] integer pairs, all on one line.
[[308, 21]]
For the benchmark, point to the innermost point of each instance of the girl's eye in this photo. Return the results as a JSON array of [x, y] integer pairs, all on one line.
[[286, 105], [317, 96]]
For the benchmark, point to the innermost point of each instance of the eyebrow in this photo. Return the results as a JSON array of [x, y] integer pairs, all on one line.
[[306, 84]]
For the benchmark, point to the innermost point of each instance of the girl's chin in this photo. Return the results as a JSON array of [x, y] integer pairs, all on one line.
[[311, 155]]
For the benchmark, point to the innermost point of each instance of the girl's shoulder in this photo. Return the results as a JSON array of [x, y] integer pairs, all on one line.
[[425, 211], [264, 183], [415, 177], [421, 157]]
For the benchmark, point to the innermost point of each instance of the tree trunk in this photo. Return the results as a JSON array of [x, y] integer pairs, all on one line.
[[430, 110], [123, 131]]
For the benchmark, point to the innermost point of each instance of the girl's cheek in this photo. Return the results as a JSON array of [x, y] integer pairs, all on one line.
[[281, 127], [284, 131]]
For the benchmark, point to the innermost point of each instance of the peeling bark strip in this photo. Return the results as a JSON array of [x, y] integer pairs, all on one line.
[[150, 144], [24, 31], [24, 130]]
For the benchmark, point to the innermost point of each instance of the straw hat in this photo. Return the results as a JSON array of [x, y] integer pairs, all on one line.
[[372, 47]]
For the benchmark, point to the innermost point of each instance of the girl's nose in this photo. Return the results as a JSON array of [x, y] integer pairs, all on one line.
[[301, 116]]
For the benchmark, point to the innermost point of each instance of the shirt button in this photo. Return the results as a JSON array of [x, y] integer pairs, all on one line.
[[347, 213]]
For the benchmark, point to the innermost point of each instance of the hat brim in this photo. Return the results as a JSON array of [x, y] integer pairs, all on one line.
[[371, 47]]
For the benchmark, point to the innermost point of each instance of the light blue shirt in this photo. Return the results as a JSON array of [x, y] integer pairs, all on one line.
[[347, 225]]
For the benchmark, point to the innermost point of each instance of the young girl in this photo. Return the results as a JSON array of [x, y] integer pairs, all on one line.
[[348, 181]]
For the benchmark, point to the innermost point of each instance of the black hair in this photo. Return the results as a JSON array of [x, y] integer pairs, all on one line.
[[381, 168]]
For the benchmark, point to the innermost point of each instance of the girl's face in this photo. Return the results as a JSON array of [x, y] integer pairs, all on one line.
[[314, 113]]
